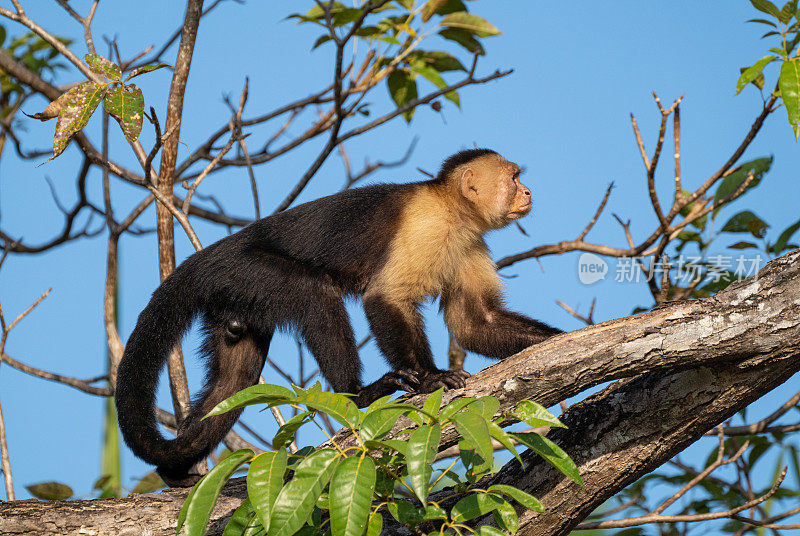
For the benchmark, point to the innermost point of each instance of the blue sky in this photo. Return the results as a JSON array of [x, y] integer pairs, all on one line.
[[580, 69]]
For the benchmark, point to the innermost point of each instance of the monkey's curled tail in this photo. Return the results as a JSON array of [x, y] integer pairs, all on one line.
[[159, 328]]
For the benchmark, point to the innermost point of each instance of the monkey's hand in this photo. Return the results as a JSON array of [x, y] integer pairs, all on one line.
[[449, 379], [398, 380]]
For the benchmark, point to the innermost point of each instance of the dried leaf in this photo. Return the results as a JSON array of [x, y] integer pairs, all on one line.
[[77, 106], [52, 109], [126, 104], [50, 491]]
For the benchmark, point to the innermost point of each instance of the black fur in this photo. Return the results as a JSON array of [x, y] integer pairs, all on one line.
[[286, 271], [460, 158], [290, 270]]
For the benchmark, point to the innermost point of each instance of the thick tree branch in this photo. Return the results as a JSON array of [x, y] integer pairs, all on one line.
[[697, 364]]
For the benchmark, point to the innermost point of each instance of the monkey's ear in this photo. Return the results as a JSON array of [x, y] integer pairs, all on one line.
[[467, 184]]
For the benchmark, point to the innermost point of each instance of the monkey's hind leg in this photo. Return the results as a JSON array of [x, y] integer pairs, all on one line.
[[236, 356]]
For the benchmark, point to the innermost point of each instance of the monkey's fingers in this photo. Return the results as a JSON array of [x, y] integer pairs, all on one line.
[[461, 373], [410, 376], [448, 379]]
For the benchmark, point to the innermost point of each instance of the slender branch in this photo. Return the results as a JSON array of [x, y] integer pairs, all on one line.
[[687, 518], [763, 424], [191, 189], [86, 22], [597, 213], [81, 385], [676, 131], [179, 386], [5, 460]]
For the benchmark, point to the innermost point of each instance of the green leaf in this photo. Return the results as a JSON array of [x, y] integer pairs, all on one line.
[[524, 499], [285, 433], [241, 520], [465, 39], [264, 482], [336, 405], [536, 415], [485, 406], [76, 107], [295, 502], [126, 105], [149, 483], [318, 11], [352, 486], [473, 429], [433, 512], [783, 240], [146, 69], [789, 84], [431, 7], [753, 72], [433, 403], [550, 452], [100, 65], [420, 455], [375, 525], [746, 222], [470, 23], [256, 394], [378, 423], [110, 464], [765, 6], [437, 59], [506, 518], [731, 183], [403, 89], [474, 505], [197, 508], [488, 530], [504, 439], [787, 11], [405, 512], [455, 406], [394, 444], [50, 491], [743, 245], [763, 21]]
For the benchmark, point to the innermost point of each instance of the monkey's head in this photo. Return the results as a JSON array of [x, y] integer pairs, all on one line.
[[489, 185]]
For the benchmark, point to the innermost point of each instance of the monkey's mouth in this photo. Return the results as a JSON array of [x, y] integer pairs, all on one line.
[[519, 212]]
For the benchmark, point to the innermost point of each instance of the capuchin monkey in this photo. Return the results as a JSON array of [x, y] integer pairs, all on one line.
[[395, 245]]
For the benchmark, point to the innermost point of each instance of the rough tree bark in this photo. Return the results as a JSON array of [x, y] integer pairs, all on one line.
[[695, 364]]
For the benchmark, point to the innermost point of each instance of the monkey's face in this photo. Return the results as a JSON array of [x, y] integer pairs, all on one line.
[[492, 185]]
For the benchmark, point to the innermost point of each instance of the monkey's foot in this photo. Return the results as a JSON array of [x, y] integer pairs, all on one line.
[[398, 380], [449, 379]]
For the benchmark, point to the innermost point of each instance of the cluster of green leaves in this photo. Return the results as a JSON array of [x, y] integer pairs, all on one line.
[[401, 25], [33, 52], [120, 99], [784, 23], [703, 234], [342, 491]]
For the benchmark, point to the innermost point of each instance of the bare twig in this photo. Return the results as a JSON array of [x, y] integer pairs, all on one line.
[[81, 385], [85, 22], [588, 320], [5, 459], [687, 518]]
